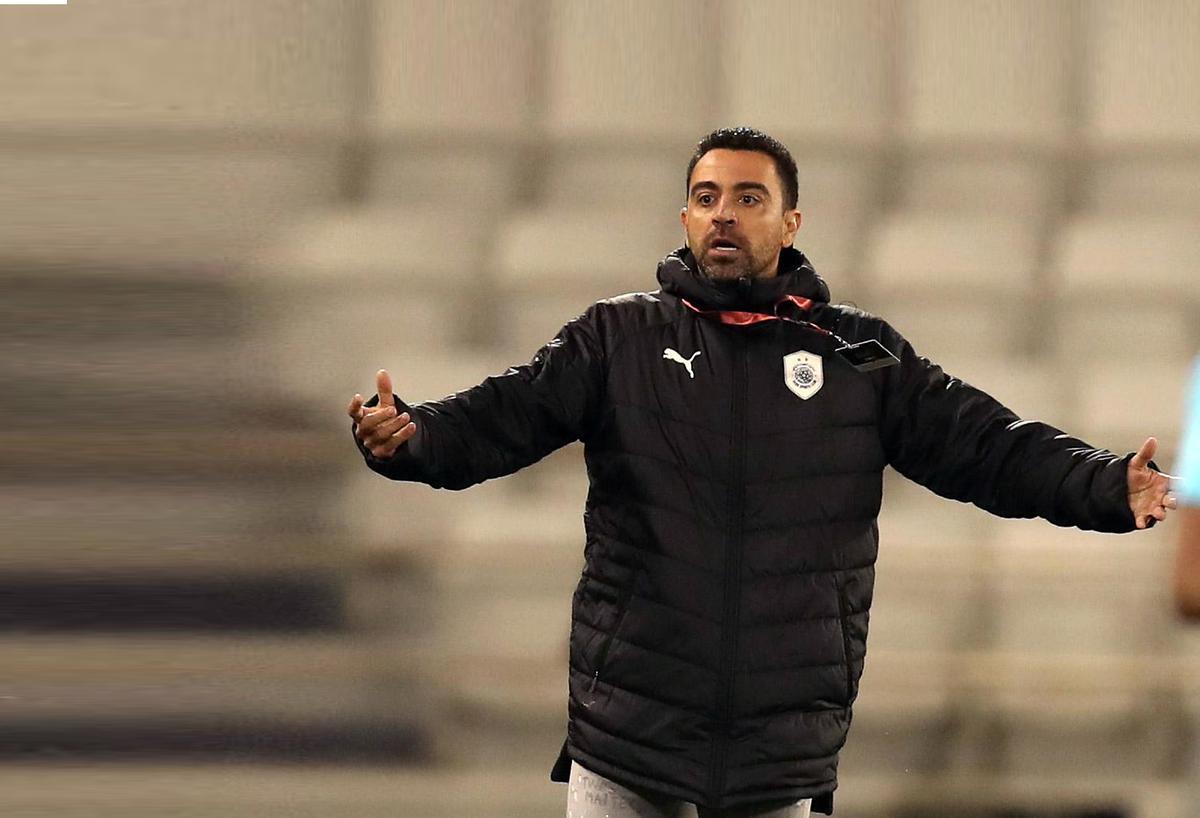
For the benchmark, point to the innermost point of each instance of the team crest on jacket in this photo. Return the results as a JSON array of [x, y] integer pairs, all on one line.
[[802, 373]]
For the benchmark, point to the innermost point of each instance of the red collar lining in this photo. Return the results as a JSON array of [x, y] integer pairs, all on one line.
[[744, 318]]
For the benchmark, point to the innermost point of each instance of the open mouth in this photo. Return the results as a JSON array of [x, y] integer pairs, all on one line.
[[723, 247]]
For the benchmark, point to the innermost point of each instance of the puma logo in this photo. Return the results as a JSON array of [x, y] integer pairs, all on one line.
[[671, 355]]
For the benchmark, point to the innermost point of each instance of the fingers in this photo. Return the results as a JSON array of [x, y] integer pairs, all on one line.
[[1145, 454], [1151, 512], [397, 440], [355, 409], [383, 431], [1148, 520], [383, 385], [1159, 513], [391, 436], [376, 422]]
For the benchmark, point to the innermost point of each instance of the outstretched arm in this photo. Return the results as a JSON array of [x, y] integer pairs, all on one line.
[[504, 424], [963, 444]]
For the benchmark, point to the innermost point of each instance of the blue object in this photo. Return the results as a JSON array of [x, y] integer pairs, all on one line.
[[1187, 489]]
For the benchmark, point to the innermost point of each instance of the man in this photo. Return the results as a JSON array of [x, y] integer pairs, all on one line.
[[1187, 550], [1187, 559], [736, 426]]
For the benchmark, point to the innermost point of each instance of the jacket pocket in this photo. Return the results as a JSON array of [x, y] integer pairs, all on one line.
[[622, 612], [843, 619]]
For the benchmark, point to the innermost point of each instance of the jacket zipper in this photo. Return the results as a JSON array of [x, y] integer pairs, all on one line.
[[733, 570], [622, 610]]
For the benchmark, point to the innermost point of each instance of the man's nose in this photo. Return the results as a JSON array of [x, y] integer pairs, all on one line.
[[724, 214]]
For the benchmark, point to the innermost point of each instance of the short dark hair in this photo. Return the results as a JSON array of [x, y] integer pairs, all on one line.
[[750, 139]]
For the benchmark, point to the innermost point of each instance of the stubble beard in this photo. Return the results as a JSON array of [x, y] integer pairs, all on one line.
[[723, 272], [740, 268]]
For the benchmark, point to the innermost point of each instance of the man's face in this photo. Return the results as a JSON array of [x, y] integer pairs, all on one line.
[[735, 220]]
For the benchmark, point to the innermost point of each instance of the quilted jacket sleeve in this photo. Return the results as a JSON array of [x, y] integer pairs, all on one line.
[[507, 422], [961, 443]]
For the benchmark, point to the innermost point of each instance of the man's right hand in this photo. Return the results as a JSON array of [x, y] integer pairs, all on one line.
[[378, 428]]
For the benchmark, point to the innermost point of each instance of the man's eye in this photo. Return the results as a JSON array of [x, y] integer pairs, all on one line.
[[704, 199], [748, 199]]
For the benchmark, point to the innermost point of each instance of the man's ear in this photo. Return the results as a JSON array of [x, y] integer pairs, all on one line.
[[791, 224]]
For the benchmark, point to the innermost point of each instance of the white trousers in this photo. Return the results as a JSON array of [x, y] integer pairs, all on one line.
[[593, 796]]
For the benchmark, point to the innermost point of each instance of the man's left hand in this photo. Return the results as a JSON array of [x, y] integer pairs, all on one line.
[[1148, 497]]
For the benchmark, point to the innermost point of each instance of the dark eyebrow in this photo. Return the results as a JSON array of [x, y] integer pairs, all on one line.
[[739, 186]]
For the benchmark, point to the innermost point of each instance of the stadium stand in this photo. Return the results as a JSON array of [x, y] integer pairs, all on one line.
[[231, 215]]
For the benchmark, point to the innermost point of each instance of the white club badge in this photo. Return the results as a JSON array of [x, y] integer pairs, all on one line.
[[802, 373]]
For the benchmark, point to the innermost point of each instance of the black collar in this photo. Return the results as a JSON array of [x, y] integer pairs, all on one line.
[[678, 275]]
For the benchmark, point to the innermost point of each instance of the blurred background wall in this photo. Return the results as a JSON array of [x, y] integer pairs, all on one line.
[[219, 219]]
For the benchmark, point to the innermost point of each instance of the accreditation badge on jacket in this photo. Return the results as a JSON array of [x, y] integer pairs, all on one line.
[[803, 374]]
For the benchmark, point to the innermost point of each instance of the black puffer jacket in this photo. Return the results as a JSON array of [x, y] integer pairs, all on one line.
[[719, 628]]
